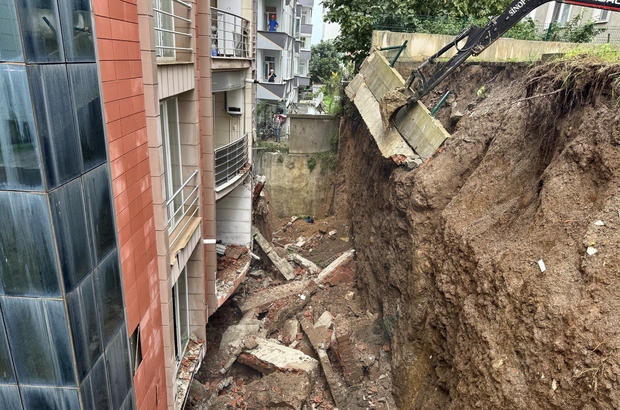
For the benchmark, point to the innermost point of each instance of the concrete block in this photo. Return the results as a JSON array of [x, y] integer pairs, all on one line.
[[269, 357], [264, 299], [281, 264], [328, 272], [237, 333]]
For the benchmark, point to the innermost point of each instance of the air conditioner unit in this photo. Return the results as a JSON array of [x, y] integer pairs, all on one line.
[[234, 102]]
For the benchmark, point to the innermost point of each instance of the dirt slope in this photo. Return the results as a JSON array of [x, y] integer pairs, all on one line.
[[448, 252]]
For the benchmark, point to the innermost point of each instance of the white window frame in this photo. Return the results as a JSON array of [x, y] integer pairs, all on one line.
[[305, 42], [179, 343], [302, 68], [169, 171], [601, 16], [269, 62], [164, 38]]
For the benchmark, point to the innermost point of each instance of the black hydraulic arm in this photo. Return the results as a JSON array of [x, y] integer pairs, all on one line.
[[480, 38]]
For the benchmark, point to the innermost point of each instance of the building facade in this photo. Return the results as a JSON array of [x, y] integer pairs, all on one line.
[[126, 132], [562, 13], [285, 49]]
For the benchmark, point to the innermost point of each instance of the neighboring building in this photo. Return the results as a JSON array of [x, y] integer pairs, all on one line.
[[125, 154], [286, 50], [561, 13]]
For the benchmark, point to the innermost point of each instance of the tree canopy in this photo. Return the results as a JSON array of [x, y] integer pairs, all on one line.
[[357, 18], [325, 60]]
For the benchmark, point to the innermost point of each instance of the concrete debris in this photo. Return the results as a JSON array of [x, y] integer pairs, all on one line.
[[258, 187], [194, 353], [352, 371], [269, 357], [261, 301], [238, 332], [234, 251], [599, 223], [349, 296], [319, 336], [328, 274], [325, 320], [290, 331], [290, 223], [305, 263], [274, 391], [336, 387], [281, 264], [332, 233], [257, 273], [591, 250], [287, 307]]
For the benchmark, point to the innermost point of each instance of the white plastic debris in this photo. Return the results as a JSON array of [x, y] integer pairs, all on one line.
[[591, 250], [554, 385], [542, 266], [599, 223], [302, 297]]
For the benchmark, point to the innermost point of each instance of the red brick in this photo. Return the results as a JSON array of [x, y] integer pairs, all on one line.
[[124, 89], [131, 158], [124, 238], [135, 69], [119, 184], [116, 149], [127, 125], [118, 167], [117, 10], [137, 87], [120, 50], [123, 218], [140, 120], [131, 12], [112, 111], [133, 51], [100, 8], [121, 201]]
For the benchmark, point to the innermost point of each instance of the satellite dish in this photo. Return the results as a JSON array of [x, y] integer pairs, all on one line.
[[319, 100]]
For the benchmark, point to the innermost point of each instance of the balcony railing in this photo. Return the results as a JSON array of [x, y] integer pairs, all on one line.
[[230, 35], [230, 159], [184, 204], [173, 24]]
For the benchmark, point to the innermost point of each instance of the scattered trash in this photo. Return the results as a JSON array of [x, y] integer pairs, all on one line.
[[498, 363], [349, 295], [599, 223], [309, 219], [591, 250], [554, 385], [302, 297], [542, 266]]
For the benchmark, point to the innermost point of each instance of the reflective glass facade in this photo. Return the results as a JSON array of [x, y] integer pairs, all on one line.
[[63, 335]]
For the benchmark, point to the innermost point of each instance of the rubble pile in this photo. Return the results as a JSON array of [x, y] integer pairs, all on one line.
[[298, 339]]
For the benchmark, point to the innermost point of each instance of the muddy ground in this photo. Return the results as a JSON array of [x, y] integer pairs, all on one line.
[[451, 253]]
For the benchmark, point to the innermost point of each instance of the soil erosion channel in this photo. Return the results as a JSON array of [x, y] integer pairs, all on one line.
[[449, 252]]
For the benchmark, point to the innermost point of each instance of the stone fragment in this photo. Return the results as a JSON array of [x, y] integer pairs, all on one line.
[[326, 274], [337, 388], [278, 390], [326, 320], [352, 371], [282, 265], [305, 263], [287, 307], [289, 331], [263, 300], [269, 357]]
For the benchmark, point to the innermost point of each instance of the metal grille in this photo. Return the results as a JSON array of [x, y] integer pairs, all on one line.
[[230, 35], [170, 26], [230, 159]]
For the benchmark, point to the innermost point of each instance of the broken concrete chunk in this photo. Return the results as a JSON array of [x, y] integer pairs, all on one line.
[[305, 263], [341, 260], [326, 320], [289, 331], [263, 300], [336, 387], [287, 307], [234, 251], [257, 273], [319, 336], [281, 264], [291, 391], [239, 332], [269, 357]]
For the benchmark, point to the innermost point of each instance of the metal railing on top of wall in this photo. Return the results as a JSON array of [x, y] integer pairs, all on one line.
[[230, 35], [172, 27], [230, 159]]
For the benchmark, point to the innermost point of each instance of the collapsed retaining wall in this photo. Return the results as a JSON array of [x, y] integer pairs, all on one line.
[[448, 252]]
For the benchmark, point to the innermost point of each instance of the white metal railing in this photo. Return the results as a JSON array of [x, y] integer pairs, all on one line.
[[230, 35], [181, 205], [167, 29], [230, 159]]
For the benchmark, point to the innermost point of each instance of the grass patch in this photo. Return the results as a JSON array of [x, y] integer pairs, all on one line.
[[268, 146], [604, 53]]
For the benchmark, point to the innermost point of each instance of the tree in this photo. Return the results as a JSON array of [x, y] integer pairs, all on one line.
[[357, 18], [325, 60]]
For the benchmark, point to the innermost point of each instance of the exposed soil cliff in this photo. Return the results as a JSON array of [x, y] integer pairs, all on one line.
[[449, 252]]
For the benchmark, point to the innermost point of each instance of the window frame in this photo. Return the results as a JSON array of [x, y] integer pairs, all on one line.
[[180, 344], [160, 36], [169, 172]]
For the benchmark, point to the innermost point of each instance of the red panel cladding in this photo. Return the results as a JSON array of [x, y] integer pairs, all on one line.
[[118, 44]]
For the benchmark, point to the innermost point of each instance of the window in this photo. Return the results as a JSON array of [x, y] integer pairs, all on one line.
[[164, 28], [297, 27], [302, 67], [135, 350], [180, 301], [306, 16], [270, 11], [270, 62], [561, 13], [305, 43], [600, 16], [173, 167]]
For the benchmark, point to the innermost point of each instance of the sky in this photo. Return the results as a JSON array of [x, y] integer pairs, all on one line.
[[317, 22]]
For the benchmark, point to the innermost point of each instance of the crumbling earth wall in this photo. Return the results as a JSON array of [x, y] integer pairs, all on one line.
[[449, 252]]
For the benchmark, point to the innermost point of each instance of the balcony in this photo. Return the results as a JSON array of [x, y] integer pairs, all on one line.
[[173, 31], [230, 35], [183, 211], [231, 162], [272, 40], [306, 29]]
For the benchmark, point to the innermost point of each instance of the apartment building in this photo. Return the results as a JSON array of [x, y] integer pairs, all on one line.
[[125, 155], [286, 50], [561, 13]]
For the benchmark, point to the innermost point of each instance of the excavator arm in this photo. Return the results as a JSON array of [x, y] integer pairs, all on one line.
[[477, 39]]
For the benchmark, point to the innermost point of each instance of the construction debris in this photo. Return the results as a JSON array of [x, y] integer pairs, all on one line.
[[189, 366], [281, 264], [264, 299], [327, 274], [305, 263], [269, 357]]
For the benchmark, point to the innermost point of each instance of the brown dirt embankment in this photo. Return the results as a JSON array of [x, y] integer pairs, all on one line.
[[449, 252]]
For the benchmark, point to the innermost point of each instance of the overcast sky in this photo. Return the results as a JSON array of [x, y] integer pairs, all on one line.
[[317, 22]]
